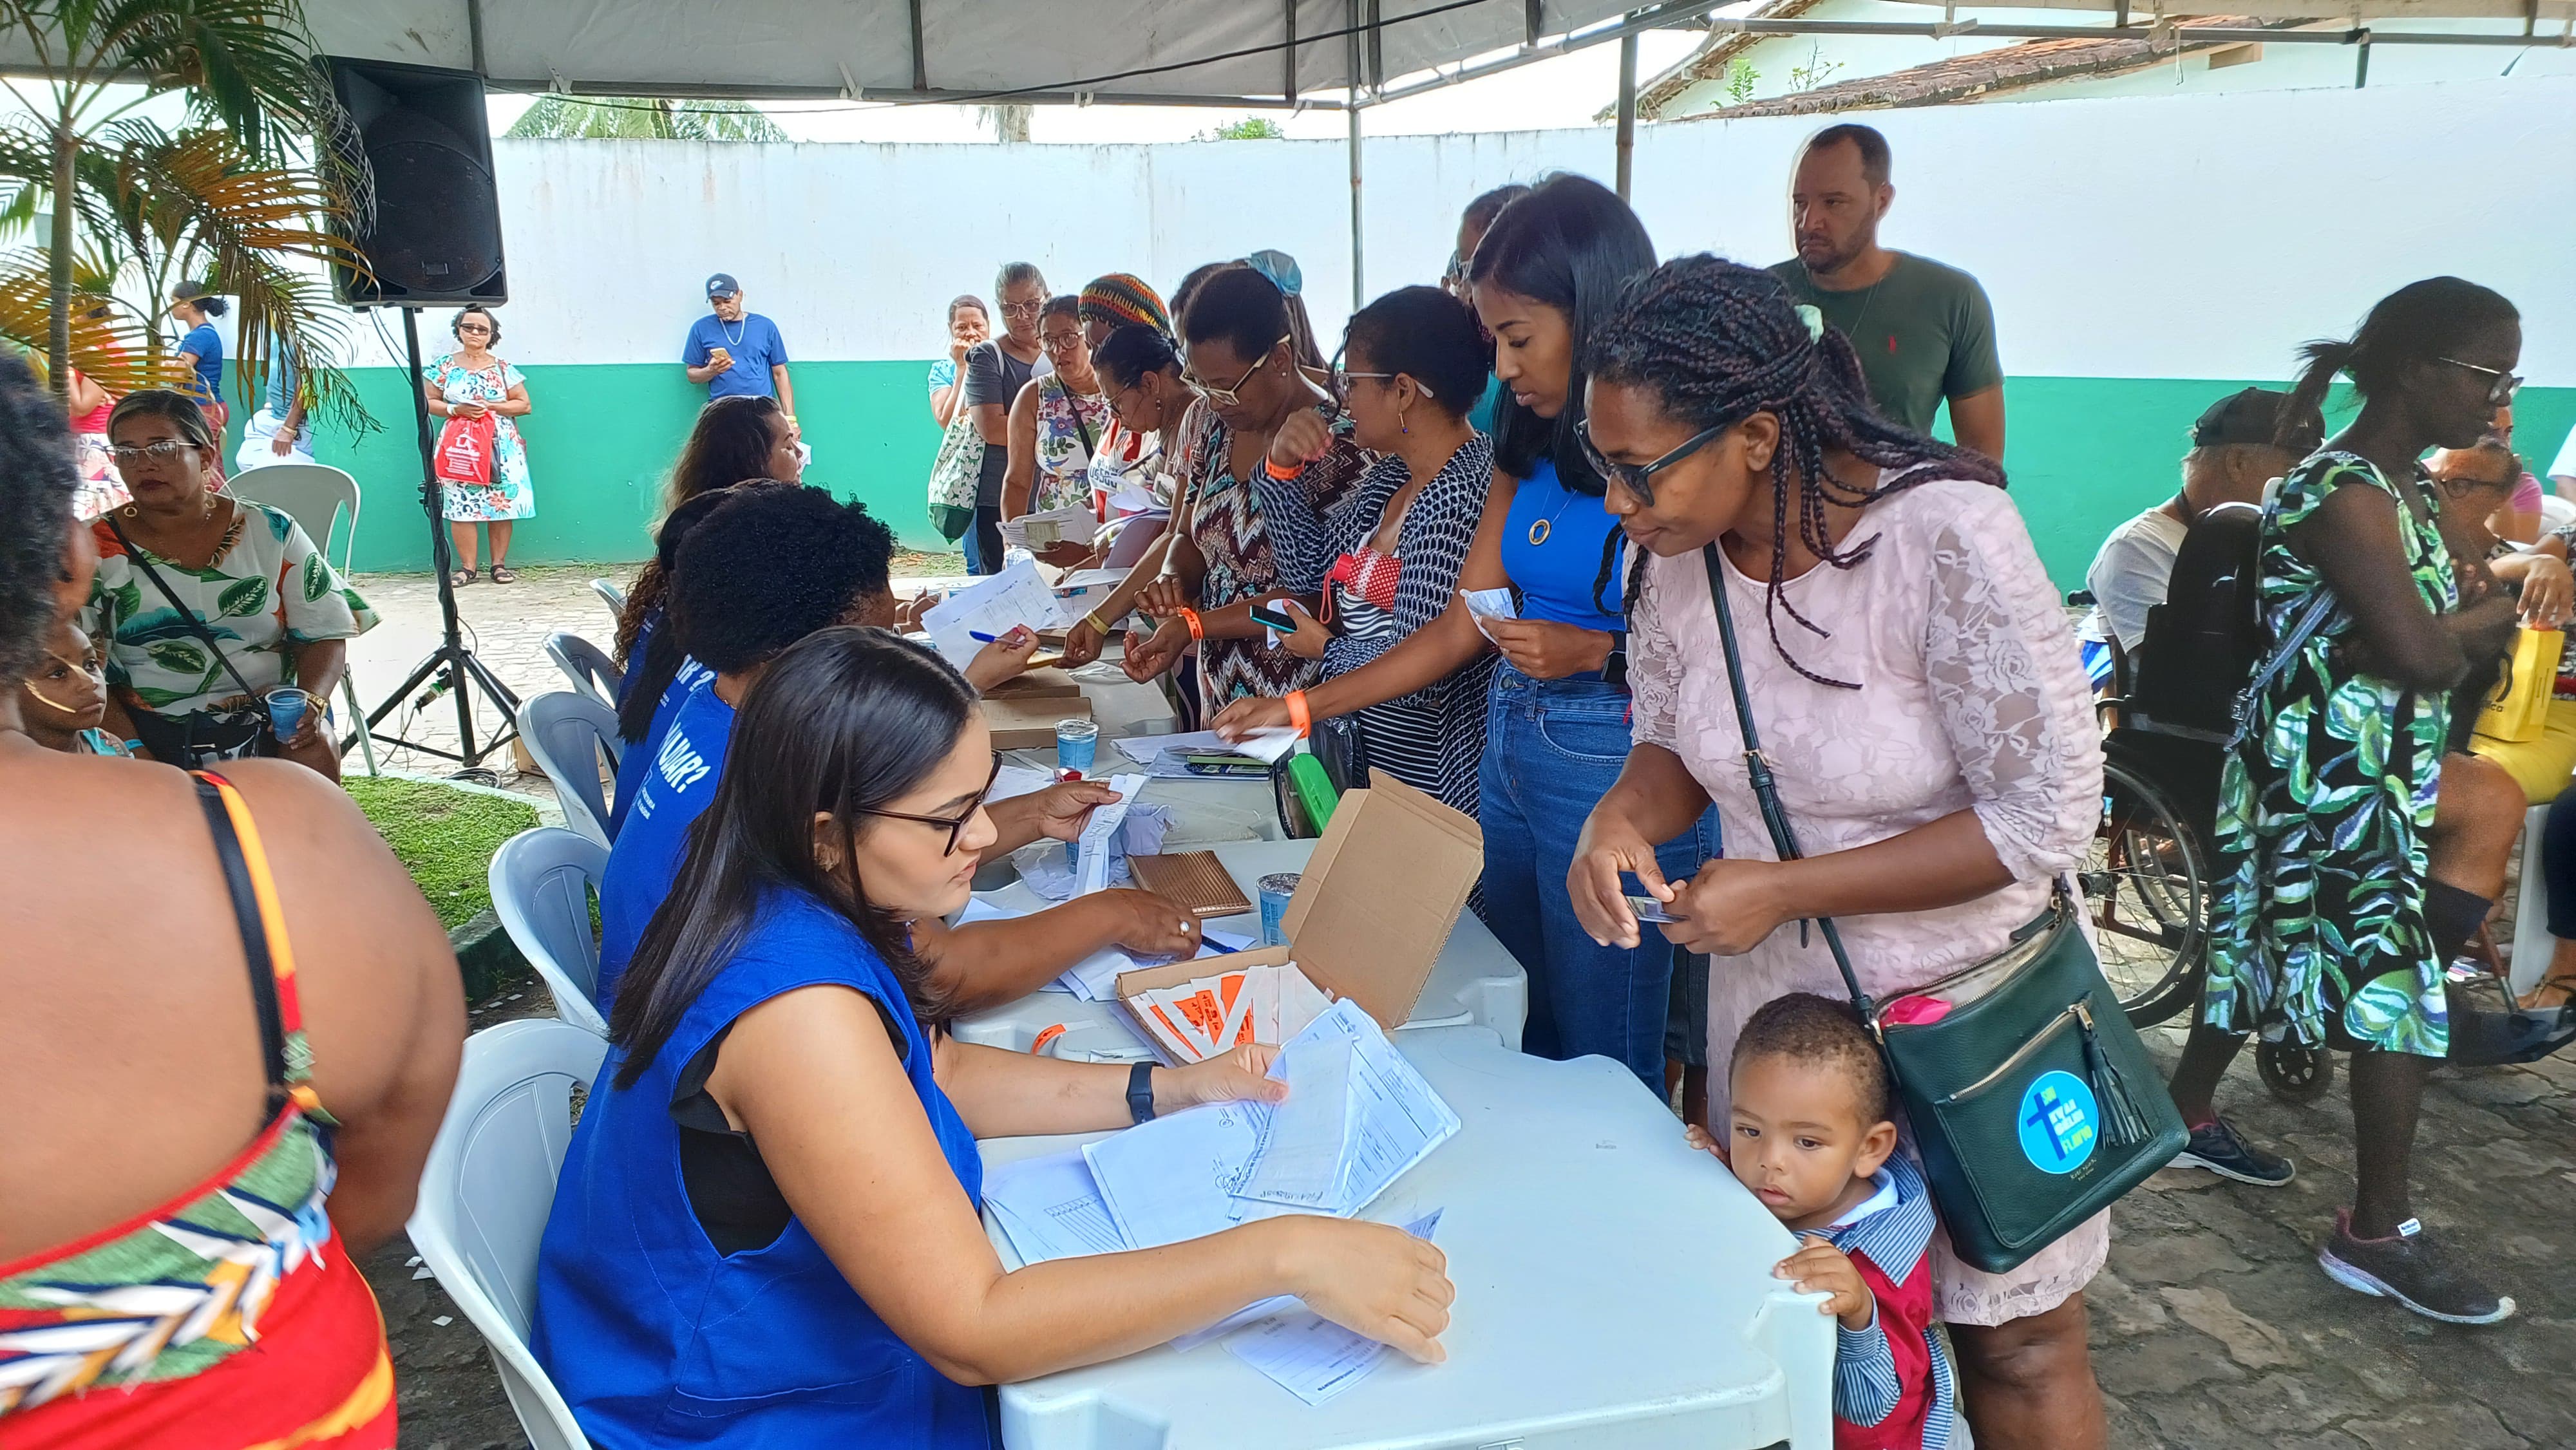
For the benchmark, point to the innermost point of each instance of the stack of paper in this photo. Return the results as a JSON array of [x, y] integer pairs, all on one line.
[[992, 606], [1489, 604], [1101, 830], [1212, 1015], [1358, 1117], [1050, 1208], [1095, 977], [1073, 525], [1306, 1354]]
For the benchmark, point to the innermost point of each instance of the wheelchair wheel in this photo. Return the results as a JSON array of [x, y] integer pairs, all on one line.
[[2147, 885], [2294, 1071]]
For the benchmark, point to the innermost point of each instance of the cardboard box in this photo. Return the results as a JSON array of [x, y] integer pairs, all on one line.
[[1036, 683], [1375, 906], [1028, 722]]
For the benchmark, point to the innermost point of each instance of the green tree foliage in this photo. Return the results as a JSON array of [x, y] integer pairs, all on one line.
[[627, 118], [1250, 128]]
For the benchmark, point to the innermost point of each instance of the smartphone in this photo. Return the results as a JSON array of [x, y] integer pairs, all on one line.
[[1269, 614], [1648, 908]]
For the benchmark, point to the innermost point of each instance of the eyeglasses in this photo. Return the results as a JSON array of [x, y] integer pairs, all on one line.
[[165, 448], [2500, 390], [474, 327], [1232, 396], [1342, 378], [1023, 309], [956, 824], [1060, 342], [1638, 478]]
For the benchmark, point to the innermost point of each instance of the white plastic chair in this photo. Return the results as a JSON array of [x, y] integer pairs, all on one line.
[[541, 884], [2532, 943], [315, 495], [612, 596], [486, 1191], [569, 734], [589, 667], [2556, 512]]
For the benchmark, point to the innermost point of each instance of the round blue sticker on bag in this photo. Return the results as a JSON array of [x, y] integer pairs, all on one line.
[[2060, 1123]]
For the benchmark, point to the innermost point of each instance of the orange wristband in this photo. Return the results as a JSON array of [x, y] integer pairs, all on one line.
[[1190, 617], [1298, 714], [1271, 466]]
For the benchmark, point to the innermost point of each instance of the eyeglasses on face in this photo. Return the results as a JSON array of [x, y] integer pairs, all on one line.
[[956, 824], [1342, 378], [476, 328], [1232, 397], [161, 449], [1024, 309], [1639, 478], [2501, 385]]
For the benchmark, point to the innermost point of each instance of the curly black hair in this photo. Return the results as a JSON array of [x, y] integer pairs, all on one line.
[[1239, 306], [36, 486], [1429, 334], [1820, 1032], [663, 652], [771, 566], [1716, 343]]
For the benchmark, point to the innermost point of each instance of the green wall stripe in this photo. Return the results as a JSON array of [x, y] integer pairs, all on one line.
[[2083, 453]]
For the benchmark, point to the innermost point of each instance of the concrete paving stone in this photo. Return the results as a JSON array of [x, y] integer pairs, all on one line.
[[2330, 1440], [2161, 1364], [2192, 1420], [2119, 1310], [2499, 1086], [2449, 1426], [2281, 1403], [2250, 1342], [2171, 1258]]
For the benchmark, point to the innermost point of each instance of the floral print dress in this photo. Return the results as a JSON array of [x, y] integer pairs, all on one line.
[[510, 495], [2323, 808], [1069, 432], [1233, 533]]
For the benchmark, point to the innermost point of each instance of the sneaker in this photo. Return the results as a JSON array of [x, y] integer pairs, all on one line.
[[2412, 1269], [2218, 1147]]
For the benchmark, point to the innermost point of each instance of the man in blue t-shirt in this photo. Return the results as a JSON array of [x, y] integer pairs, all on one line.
[[737, 352]]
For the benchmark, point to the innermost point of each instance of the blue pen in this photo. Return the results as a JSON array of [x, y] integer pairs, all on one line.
[[981, 637]]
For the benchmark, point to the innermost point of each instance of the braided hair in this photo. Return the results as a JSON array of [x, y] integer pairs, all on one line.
[[1716, 343]]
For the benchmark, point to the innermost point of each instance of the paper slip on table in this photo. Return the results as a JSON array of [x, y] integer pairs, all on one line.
[[1474, 982], [1614, 1293]]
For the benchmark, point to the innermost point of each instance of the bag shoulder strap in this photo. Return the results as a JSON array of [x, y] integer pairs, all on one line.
[[261, 923], [195, 625], [1766, 790]]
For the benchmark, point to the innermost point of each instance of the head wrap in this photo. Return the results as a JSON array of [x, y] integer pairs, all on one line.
[[1280, 268], [1121, 299]]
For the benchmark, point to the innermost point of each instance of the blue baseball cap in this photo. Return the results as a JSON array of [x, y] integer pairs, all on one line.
[[722, 285]]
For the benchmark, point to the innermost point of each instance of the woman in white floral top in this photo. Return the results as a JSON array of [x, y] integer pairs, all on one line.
[[276, 611], [1057, 423], [469, 383]]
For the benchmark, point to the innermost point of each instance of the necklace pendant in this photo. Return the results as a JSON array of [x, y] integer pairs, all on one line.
[[1539, 531]]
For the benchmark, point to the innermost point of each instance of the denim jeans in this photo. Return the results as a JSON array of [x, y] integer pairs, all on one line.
[[984, 547], [1552, 750]]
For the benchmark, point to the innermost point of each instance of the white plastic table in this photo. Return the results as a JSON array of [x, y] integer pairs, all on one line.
[[1474, 982], [1614, 1291]]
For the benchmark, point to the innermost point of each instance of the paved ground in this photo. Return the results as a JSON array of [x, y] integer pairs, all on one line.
[[2212, 1328]]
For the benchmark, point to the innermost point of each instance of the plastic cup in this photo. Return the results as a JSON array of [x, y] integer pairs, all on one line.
[[1276, 891], [286, 709], [1077, 744]]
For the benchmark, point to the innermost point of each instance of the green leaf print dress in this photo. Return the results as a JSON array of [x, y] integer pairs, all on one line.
[[2323, 809]]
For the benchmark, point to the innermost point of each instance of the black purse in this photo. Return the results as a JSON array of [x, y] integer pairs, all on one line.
[[2033, 1103], [200, 738]]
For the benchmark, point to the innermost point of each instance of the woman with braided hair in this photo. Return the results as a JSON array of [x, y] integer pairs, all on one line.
[[1920, 699]]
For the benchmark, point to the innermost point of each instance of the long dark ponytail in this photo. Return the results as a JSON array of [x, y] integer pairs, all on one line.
[[1717, 343], [669, 647], [2419, 322], [846, 721]]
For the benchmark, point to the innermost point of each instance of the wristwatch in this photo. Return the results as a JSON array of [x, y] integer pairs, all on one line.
[[1614, 668], [1140, 1092]]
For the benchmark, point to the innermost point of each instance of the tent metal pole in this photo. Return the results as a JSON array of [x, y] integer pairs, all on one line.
[[1359, 283], [1627, 110]]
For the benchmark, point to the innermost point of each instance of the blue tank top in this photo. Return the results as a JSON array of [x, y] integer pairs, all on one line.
[[637, 762], [653, 1337], [1556, 576], [678, 782]]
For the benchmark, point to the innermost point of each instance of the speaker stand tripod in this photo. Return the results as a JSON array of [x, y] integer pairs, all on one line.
[[452, 666]]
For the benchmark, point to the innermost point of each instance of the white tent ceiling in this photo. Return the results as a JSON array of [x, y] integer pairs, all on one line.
[[955, 49]]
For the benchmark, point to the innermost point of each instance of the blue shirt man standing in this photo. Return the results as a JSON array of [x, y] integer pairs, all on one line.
[[733, 351]]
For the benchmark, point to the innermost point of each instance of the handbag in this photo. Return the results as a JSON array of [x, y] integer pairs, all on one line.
[[203, 737], [2033, 1103], [2518, 710], [953, 476], [464, 454]]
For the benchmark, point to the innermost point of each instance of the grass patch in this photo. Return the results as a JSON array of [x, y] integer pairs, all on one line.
[[443, 836], [948, 563]]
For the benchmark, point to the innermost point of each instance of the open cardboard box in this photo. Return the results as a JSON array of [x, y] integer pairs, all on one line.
[[1373, 911], [1027, 722]]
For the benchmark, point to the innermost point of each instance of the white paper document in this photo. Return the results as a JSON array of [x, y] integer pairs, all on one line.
[[1489, 604], [1089, 581], [992, 605], [1055, 526], [1267, 744], [1173, 1179], [1103, 827], [1358, 1117], [1308, 1355], [1013, 781], [1050, 1208], [1146, 749]]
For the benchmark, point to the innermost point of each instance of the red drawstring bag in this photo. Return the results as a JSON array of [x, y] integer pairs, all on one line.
[[465, 451]]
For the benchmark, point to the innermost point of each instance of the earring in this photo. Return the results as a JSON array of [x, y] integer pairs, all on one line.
[[1400, 424]]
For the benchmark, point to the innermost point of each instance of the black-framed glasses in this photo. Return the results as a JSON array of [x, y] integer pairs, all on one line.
[[2501, 384], [1232, 397], [956, 824], [1639, 478]]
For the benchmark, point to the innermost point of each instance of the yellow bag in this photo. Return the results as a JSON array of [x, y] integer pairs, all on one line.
[[2520, 707]]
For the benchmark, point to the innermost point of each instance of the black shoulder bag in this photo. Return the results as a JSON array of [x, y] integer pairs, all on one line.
[[199, 739], [2033, 1103]]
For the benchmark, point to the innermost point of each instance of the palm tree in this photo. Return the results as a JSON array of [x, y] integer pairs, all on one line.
[[231, 199], [629, 118], [1010, 123]]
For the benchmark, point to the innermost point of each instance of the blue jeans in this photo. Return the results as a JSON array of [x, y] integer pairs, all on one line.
[[1553, 748]]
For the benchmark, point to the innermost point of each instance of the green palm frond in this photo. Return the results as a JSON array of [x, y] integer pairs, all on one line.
[[109, 343], [628, 118]]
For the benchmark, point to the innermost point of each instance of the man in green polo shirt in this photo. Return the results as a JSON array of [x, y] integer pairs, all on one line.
[[1924, 331]]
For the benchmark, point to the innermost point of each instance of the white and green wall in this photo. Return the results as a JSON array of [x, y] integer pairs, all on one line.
[[2145, 256]]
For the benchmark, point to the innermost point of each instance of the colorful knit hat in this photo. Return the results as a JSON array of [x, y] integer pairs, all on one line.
[[1123, 298]]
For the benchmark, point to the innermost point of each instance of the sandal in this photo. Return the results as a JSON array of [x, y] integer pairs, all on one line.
[[501, 575], [2564, 986], [460, 578]]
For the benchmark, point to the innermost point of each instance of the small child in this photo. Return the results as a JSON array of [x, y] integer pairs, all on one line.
[[1811, 1134]]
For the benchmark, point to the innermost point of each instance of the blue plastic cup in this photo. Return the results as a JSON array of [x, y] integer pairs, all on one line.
[[286, 709], [1277, 890], [1077, 744]]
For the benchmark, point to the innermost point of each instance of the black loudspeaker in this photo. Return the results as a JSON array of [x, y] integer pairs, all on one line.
[[430, 219]]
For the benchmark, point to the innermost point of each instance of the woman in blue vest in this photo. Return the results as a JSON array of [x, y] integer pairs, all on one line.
[[767, 1228]]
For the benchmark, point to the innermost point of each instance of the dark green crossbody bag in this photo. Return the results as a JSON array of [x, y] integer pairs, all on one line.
[[2033, 1102]]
